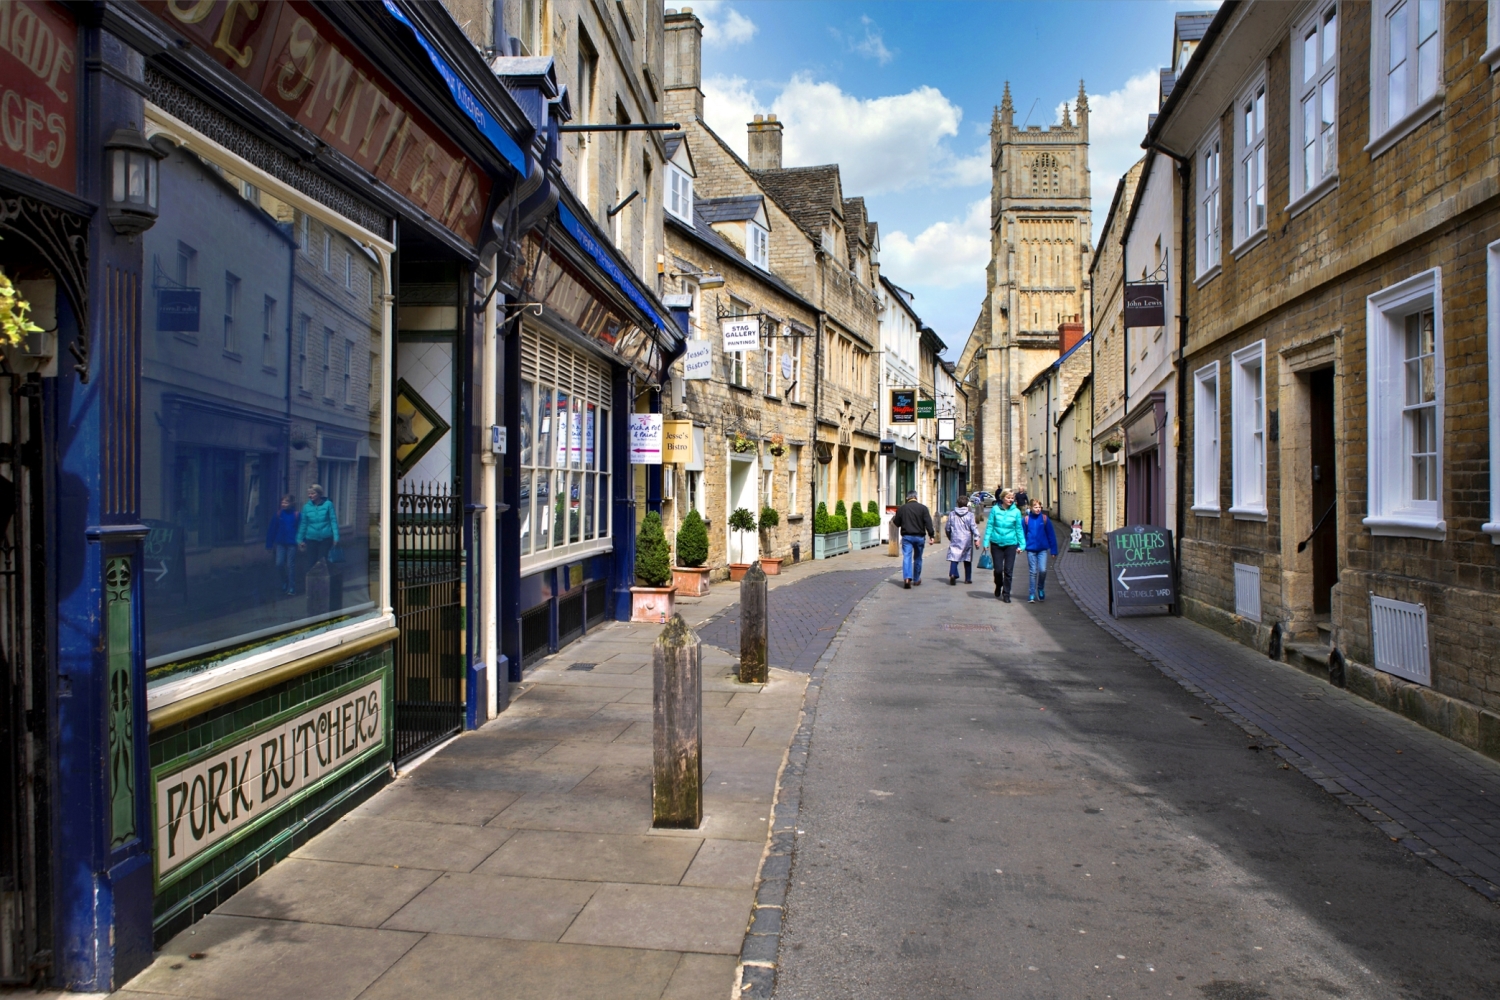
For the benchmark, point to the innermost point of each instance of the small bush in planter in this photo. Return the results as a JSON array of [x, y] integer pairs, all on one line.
[[840, 517], [653, 558], [870, 508], [856, 517], [769, 518], [692, 541], [742, 521], [821, 525]]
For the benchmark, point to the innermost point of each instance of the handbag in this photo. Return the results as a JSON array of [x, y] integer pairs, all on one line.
[[335, 555], [985, 562]]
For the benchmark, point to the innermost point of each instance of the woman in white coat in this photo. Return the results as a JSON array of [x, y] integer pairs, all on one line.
[[961, 532]]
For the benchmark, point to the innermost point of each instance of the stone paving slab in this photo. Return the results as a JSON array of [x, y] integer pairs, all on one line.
[[1434, 796]]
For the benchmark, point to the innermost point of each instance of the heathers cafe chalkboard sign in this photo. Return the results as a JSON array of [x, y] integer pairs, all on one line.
[[292, 57], [1140, 567], [246, 778]]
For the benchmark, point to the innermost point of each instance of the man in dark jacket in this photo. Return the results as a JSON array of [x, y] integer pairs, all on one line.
[[913, 522]]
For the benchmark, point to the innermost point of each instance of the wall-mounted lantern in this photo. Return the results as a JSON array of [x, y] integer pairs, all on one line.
[[131, 181]]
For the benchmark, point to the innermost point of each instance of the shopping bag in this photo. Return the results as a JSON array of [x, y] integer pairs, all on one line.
[[985, 562], [335, 555]]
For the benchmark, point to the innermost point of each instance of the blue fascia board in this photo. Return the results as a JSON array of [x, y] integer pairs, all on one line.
[[610, 266], [465, 98]]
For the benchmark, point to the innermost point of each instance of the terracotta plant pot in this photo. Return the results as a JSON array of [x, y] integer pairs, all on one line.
[[737, 571], [771, 566], [651, 604], [691, 581]]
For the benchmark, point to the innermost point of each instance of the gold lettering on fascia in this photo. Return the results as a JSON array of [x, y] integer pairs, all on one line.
[[203, 803], [38, 40]]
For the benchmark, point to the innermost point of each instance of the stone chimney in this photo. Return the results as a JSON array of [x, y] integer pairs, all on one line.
[[683, 66], [1069, 333], [765, 143]]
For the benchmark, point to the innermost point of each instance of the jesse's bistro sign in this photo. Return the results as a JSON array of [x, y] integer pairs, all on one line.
[[233, 787]]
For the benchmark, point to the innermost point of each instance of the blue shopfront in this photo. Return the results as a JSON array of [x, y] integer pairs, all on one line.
[[229, 217]]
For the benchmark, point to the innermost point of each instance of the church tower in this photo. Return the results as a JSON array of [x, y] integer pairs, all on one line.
[[1040, 251]]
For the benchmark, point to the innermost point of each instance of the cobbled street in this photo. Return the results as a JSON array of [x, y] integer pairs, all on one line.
[[1004, 800]]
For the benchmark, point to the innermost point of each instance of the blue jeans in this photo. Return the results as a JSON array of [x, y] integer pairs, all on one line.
[[286, 567], [1036, 565], [911, 556], [968, 570]]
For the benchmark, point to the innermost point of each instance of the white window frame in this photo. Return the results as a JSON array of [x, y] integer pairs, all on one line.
[[1250, 163], [1247, 421], [1492, 527], [1206, 450], [768, 348], [1316, 88], [1387, 128], [1391, 509], [1492, 36], [758, 245], [679, 200], [1210, 207]]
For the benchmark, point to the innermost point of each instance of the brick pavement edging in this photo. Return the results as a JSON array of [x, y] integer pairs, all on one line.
[[755, 977], [1386, 824]]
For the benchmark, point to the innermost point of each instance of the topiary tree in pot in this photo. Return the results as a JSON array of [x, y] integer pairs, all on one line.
[[653, 558], [840, 517], [692, 541], [742, 521], [821, 519]]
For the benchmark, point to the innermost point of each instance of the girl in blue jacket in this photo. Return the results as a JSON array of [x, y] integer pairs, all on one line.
[[281, 538], [1040, 540]]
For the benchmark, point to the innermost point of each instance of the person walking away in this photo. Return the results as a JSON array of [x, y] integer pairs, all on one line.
[[1040, 540], [961, 531], [913, 522], [318, 531], [1004, 533], [281, 538]]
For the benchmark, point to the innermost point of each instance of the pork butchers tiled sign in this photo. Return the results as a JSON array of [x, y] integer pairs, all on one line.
[[208, 800]]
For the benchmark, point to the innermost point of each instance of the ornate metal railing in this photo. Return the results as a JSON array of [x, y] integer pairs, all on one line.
[[429, 611]]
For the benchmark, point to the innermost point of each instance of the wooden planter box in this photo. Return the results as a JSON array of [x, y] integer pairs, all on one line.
[[691, 581], [835, 543], [651, 604], [737, 571], [771, 566]]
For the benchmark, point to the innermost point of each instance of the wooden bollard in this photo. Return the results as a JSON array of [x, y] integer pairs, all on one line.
[[677, 728], [754, 627]]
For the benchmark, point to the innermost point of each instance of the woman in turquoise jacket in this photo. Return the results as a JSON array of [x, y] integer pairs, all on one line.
[[1004, 533], [317, 528]]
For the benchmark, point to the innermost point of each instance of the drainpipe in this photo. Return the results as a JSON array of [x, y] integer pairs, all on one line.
[[1124, 452], [817, 396]]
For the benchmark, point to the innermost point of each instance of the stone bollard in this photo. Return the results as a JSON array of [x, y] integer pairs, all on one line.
[[677, 728], [754, 627]]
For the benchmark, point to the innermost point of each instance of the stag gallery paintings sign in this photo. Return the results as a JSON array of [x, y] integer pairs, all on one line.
[[250, 776]]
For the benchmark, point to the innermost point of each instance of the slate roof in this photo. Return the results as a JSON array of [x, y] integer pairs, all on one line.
[[855, 220], [672, 141], [808, 194], [731, 209], [703, 232]]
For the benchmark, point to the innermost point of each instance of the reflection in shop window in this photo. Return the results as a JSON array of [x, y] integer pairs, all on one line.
[[230, 452]]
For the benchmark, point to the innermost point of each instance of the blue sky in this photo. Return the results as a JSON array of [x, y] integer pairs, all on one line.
[[900, 94]]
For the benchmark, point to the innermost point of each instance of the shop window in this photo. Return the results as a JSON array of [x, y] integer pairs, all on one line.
[[224, 445], [1206, 439], [1404, 324], [1248, 444], [563, 501]]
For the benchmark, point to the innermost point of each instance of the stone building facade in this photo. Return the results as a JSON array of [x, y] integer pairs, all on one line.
[[1040, 253], [824, 247], [1107, 346], [1342, 346]]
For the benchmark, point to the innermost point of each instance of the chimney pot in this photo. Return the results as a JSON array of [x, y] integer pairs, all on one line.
[[760, 118], [765, 143], [770, 118], [687, 10]]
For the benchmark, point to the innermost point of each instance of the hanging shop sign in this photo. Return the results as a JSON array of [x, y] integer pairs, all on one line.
[[946, 429], [259, 773], [677, 442], [926, 409], [1145, 304], [698, 363], [39, 92], [645, 438], [295, 59], [903, 406], [786, 366], [1140, 567], [741, 334]]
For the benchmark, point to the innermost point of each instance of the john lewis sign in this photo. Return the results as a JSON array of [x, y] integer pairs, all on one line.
[[234, 787]]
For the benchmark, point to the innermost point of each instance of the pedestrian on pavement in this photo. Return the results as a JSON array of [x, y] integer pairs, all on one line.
[[1004, 533], [318, 530], [1023, 503], [1040, 540], [281, 538], [913, 522], [961, 531]]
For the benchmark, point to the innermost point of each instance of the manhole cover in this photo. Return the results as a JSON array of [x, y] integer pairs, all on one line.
[[582, 666], [955, 627]]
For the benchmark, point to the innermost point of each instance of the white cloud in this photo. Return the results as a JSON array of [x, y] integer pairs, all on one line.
[[1117, 124], [947, 254], [872, 46], [723, 25], [881, 144]]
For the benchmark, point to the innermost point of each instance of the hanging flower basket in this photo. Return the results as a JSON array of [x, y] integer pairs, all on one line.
[[741, 444], [778, 445], [1113, 445]]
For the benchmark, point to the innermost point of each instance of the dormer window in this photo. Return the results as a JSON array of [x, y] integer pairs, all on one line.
[[679, 193], [758, 246]]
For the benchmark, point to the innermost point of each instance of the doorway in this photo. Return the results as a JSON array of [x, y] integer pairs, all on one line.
[[1324, 540], [742, 546]]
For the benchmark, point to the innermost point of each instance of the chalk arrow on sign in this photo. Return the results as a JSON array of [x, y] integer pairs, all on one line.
[[160, 571], [1126, 581]]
